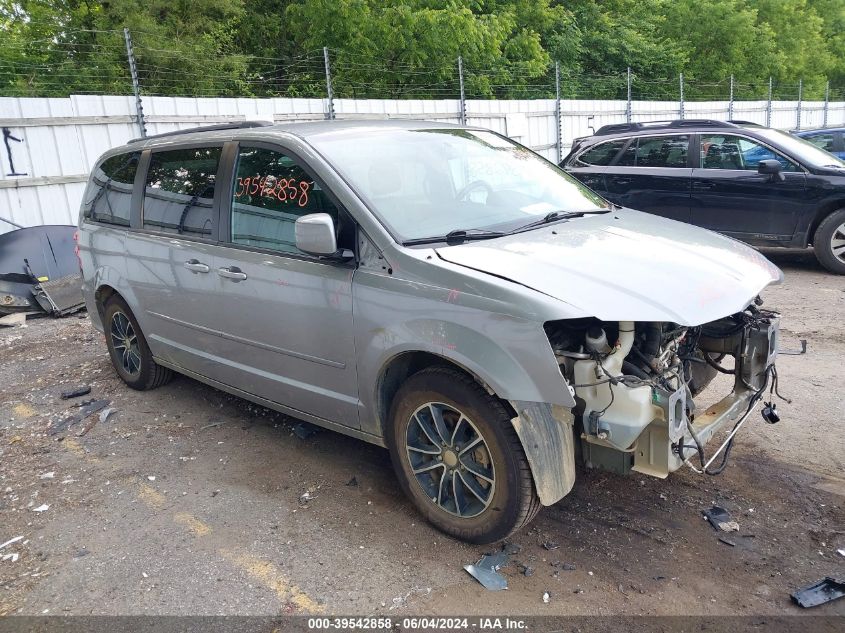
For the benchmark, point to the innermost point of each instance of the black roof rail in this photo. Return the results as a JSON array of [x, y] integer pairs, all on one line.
[[237, 125], [617, 128], [745, 123]]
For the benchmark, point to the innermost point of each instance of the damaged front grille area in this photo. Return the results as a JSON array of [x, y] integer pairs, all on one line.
[[635, 385]]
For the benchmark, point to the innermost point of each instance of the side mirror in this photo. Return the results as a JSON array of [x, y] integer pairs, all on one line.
[[771, 168], [315, 234]]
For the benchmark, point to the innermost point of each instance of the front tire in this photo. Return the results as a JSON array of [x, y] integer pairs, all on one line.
[[128, 349], [829, 242], [458, 457]]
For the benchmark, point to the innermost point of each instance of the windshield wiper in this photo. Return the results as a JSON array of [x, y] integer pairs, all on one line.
[[457, 236], [555, 216]]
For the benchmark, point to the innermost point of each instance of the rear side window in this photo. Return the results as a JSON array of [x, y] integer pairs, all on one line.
[[271, 191], [602, 153], [108, 198], [656, 151], [179, 191]]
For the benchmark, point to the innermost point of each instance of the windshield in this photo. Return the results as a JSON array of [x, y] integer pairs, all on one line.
[[800, 148], [429, 182]]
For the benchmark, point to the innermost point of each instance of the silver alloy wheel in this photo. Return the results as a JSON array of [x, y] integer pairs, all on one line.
[[837, 243], [125, 343], [450, 459]]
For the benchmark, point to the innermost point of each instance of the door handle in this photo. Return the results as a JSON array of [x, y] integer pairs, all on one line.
[[232, 272], [196, 266]]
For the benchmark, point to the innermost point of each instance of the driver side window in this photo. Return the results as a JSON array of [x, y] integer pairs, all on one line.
[[726, 151]]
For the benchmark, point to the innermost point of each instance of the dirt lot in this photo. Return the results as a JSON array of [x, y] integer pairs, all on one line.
[[187, 501]]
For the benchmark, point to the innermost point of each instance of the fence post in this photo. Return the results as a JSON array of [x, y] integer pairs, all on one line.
[[628, 113], [557, 113], [731, 102], [329, 91], [462, 115], [681, 109], [769, 106], [826, 103], [136, 86], [800, 96]]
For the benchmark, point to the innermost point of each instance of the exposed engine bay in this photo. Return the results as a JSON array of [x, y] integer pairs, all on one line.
[[635, 385]]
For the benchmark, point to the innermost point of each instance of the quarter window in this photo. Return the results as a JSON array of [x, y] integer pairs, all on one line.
[[726, 151], [656, 151], [601, 154], [108, 198], [271, 191], [179, 191]]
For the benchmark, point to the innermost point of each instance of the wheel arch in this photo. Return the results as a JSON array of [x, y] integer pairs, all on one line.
[[828, 207]]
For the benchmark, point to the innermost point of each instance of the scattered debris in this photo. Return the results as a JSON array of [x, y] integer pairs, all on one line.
[[527, 570], [722, 539], [841, 552], [106, 413], [151, 477], [84, 390], [305, 497], [304, 430], [352, 482], [486, 571], [10, 541], [546, 597], [13, 556], [401, 601], [551, 545], [720, 519], [49, 475], [823, 591], [84, 412], [42, 508], [511, 548], [212, 425]]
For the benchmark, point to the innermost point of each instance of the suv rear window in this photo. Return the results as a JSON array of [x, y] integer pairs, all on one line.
[[179, 191], [656, 151], [602, 153], [109, 195]]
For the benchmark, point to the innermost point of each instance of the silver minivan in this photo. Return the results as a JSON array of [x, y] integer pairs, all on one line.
[[438, 290]]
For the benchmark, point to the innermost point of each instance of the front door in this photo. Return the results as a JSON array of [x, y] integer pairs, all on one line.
[[729, 196], [284, 317], [652, 175]]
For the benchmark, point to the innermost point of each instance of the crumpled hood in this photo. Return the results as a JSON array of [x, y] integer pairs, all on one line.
[[627, 266]]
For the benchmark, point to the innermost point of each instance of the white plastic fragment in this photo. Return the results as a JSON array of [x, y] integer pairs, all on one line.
[[151, 477], [42, 508], [105, 413], [546, 597], [49, 475], [10, 541], [12, 556]]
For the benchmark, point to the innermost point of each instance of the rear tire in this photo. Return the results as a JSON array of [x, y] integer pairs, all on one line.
[[829, 242], [128, 348], [458, 457]]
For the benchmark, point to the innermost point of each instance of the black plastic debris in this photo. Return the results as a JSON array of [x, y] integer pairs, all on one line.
[[486, 571], [823, 591], [722, 539], [84, 412], [353, 482], [75, 393], [304, 430], [551, 545], [721, 519]]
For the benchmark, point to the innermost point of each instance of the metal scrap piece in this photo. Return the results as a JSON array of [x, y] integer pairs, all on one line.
[[84, 412], [486, 571], [823, 591]]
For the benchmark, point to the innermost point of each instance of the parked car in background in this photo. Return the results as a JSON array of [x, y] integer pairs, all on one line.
[[831, 139], [756, 184], [438, 290]]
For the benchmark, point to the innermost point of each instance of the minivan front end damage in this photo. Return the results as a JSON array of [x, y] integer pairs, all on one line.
[[636, 385]]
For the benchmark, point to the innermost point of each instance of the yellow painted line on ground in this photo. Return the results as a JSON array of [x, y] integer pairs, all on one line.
[[152, 497], [192, 523], [269, 575], [24, 410]]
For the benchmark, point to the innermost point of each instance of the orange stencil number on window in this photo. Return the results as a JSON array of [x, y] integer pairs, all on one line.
[[281, 189]]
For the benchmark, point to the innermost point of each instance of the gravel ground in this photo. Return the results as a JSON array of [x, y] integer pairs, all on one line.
[[188, 501]]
